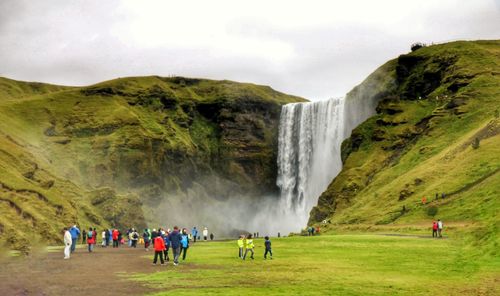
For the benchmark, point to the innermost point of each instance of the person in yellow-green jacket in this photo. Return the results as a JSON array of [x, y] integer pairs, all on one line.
[[249, 247], [241, 246]]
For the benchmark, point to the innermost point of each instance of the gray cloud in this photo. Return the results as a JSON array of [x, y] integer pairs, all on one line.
[[314, 50]]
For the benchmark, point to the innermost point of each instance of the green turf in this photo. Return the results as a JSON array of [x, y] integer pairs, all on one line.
[[331, 265]]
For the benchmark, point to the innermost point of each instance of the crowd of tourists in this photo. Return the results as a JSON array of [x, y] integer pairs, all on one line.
[[166, 243]]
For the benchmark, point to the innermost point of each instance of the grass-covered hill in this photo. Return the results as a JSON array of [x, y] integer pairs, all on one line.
[[110, 153], [437, 130]]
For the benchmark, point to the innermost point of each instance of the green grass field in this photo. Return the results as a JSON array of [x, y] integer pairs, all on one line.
[[333, 265]]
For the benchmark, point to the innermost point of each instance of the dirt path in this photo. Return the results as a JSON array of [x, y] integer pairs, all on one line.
[[97, 273]]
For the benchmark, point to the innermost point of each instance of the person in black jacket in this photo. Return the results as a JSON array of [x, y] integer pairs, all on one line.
[[267, 244]]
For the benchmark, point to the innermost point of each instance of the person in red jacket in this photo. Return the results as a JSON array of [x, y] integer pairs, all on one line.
[[159, 246], [434, 229], [115, 238]]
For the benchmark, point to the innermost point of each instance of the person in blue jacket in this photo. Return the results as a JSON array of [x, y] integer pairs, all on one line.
[[167, 245], [194, 233], [175, 242], [75, 233], [184, 243]]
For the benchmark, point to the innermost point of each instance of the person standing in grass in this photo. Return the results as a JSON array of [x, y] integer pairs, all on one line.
[[67, 243], [440, 228], [267, 244], [159, 246], [135, 238], [212, 236], [249, 247], [434, 229], [194, 233], [175, 241], [184, 243], [90, 240], [166, 239], [205, 234], [241, 245]]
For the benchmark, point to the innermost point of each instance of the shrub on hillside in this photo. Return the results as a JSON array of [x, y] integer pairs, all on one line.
[[432, 211]]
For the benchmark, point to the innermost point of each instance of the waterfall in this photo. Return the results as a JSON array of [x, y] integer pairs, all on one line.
[[310, 136]]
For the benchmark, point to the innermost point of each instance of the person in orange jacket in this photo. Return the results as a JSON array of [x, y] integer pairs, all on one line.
[[159, 245]]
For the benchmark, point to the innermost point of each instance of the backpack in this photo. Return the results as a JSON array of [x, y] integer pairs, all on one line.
[[135, 235], [90, 234]]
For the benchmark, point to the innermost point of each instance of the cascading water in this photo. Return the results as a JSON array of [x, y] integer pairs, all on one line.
[[310, 136]]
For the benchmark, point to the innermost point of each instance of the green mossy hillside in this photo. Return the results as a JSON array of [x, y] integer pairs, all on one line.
[[100, 155], [437, 130]]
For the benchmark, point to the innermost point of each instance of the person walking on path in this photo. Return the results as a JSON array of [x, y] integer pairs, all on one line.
[[104, 239], [167, 245], [115, 237], [159, 248], [146, 236], [84, 237], [267, 244], [205, 234], [108, 236], [90, 240], [135, 237], [440, 228], [184, 243], [249, 247], [434, 229], [67, 243], [75, 233], [241, 245], [194, 233], [175, 241]]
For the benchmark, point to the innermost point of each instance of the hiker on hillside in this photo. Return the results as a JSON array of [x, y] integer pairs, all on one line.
[[90, 240], [75, 232], [175, 241], [241, 245], [212, 236], [317, 230], [135, 237], [184, 243], [249, 247], [440, 228], [115, 236], [267, 245], [194, 233], [84, 237], [205, 234], [67, 243], [146, 236], [159, 247], [434, 229]]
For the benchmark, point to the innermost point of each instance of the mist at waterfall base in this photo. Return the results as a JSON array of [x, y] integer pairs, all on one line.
[[309, 158]]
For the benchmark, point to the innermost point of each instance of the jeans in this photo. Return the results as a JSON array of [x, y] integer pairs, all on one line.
[[240, 253], [270, 253], [434, 233], [134, 244], [115, 243], [67, 250], [246, 252], [158, 253], [165, 254], [91, 247], [73, 244], [176, 252]]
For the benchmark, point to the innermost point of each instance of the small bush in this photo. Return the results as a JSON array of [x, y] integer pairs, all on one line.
[[432, 211], [475, 143]]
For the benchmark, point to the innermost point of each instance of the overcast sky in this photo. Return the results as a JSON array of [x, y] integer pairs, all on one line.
[[315, 49]]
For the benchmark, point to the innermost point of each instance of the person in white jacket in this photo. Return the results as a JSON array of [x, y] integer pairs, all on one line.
[[67, 243], [205, 234]]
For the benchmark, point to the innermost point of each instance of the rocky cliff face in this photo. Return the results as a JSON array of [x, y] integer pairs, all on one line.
[[431, 106], [130, 145]]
